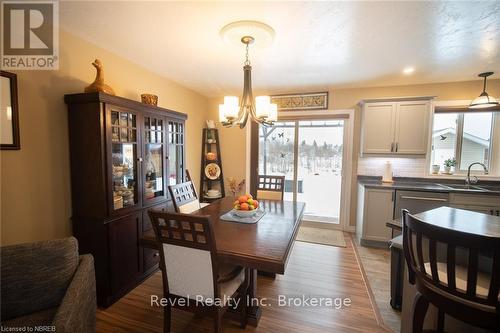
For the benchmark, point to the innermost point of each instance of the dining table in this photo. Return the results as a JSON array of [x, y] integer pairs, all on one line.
[[262, 246]]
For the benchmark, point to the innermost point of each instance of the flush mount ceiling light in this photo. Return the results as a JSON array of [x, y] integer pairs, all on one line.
[[260, 109], [408, 70], [484, 100]]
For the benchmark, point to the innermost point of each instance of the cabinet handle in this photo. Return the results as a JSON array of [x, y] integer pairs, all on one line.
[[392, 147], [423, 198], [397, 144], [492, 212], [498, 212]]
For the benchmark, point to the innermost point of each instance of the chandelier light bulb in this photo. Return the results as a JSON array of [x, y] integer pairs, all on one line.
[[262, 104]]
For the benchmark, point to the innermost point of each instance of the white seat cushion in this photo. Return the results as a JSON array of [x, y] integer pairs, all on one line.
[[483, 280], [228, 288], [189, 207]]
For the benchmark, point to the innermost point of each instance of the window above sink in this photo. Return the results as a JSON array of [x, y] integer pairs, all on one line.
[[466, 136]]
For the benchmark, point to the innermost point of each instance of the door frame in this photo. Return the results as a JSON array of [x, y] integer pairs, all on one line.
[[252, 155]]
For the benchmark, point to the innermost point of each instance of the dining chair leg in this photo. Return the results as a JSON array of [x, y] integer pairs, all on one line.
[[419, 309], [167, 318], [243, 309], [218, 321], [440, 323]]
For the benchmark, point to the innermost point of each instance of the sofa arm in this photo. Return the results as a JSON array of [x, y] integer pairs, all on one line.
[[77, 311]]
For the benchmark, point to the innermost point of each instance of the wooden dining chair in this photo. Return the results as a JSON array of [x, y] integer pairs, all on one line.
[[190, 179], [463, 292], [184, 198], [270, 187], [190, 268]]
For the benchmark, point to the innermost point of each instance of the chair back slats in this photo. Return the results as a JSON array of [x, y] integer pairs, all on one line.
[[420, 253], [473, 289], [472, 267], [433, 260], [450, 266], [183, 194], [271, 184], [495, 279], [190, 179], [186, 241]]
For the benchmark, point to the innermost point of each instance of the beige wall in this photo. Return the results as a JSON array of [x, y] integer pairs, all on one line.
[[234, 139], [35, 184]]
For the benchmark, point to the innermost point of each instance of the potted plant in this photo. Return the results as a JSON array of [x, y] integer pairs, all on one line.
[[448, 164]]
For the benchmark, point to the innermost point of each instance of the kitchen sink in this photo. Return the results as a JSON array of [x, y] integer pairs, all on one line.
[[465, 187]]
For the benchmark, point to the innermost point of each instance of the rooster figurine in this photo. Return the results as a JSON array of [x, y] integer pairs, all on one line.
[[98, 85]]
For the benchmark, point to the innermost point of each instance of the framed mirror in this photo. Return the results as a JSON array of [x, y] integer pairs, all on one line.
[[9, 112]]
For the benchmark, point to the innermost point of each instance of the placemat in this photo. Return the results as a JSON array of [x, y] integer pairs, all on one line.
[[231, 217]]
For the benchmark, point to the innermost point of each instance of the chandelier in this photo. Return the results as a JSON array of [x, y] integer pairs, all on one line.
[[261, 110]]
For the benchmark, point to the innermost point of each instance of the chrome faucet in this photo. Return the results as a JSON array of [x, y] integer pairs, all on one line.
[[474, 179]]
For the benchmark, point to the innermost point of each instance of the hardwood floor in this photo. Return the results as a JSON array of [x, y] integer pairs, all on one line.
[[376, 263], [314, 270]]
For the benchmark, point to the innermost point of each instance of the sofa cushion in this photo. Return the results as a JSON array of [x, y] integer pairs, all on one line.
[[40, 318], [35, 276]]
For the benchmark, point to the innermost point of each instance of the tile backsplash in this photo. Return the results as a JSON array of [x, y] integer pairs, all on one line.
[[401, 166]]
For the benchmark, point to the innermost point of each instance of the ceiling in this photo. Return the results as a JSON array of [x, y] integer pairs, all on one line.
[[317, 45]]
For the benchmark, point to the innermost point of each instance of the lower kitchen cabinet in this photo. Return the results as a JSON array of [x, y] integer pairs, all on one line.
[[377, 206], [375, 209]]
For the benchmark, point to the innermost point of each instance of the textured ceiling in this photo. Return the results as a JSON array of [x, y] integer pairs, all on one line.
[[317, 44]]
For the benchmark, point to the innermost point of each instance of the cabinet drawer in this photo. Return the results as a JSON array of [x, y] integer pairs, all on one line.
[[151, 258], [419, 201], [475, 199], [480, 209]]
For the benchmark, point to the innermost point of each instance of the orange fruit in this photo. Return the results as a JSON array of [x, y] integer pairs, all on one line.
[[244, 206], [256, 203], [243, 199]]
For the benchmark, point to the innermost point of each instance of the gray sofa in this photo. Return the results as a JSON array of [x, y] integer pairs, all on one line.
[[48, 284]]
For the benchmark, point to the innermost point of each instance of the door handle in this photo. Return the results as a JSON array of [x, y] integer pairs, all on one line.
[[423, 198]]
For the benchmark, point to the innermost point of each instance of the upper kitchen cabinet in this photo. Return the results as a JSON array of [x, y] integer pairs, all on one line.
[[397, 126]]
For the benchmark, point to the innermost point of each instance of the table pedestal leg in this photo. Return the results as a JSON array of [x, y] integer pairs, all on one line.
[[254, 311]]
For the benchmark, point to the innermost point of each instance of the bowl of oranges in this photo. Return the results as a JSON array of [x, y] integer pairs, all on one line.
[[245, 206]]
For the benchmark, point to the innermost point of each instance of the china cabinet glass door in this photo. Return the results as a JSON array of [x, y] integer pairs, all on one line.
[[153, 165], [175, 152], [124, 158]]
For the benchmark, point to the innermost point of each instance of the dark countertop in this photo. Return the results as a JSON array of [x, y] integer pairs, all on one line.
[[431, 185], [460, 220]]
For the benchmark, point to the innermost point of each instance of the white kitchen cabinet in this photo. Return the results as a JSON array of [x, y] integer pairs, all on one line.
[[395, 126], [375, 209], [481, 203]]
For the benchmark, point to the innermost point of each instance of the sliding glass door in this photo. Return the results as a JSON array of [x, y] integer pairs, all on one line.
[[309, 154]]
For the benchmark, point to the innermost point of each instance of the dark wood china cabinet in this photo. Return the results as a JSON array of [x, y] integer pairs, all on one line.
[[123, 156]]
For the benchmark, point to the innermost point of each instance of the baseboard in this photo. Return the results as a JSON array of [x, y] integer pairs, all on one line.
[[350, 228], [374, 243]]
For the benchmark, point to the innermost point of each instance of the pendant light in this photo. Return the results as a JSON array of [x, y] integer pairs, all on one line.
[[258, 109], [484, 100]]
